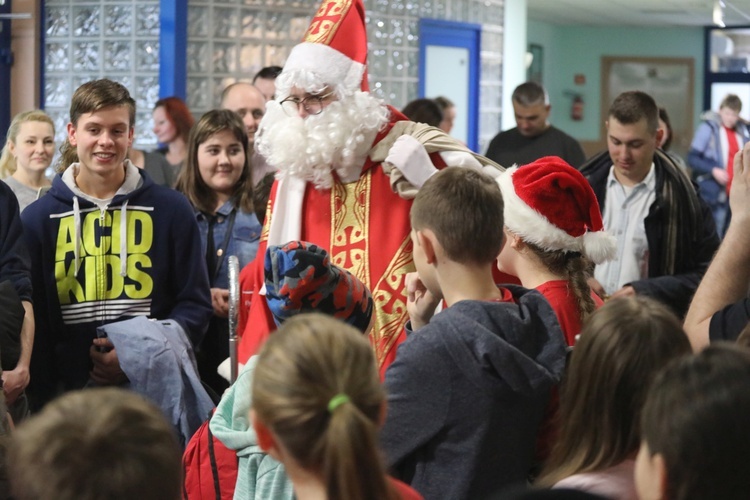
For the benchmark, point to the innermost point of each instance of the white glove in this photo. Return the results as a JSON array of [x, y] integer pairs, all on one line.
[[225, 369], [410, 157]]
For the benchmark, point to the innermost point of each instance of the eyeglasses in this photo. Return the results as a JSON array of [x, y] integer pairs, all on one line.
[[312, 104]]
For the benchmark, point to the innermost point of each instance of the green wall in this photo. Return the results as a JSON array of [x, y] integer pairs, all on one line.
[[572, 50]]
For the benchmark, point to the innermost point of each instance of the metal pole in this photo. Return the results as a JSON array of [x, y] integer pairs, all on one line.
[[234, 302]]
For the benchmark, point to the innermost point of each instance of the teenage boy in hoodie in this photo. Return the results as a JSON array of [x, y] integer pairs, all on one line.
[[469, 386], [107, 245]]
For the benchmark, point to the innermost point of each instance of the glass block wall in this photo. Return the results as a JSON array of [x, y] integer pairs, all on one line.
[[231, 40], [90, 39]]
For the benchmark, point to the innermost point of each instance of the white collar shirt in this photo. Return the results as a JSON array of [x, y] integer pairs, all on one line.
[[624, 212]]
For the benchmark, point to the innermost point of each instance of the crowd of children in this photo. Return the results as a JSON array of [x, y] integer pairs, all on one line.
[[460, 407], [378, 375]]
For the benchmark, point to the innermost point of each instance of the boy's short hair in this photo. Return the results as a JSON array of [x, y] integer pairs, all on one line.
[[90, 98], [633, 106], [99, 94], [732, 102], [464, 208], [96, 443], [695, 416]]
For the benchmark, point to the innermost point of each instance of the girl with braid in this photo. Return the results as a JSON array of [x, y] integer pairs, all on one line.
[[554, 234], [317, 407]]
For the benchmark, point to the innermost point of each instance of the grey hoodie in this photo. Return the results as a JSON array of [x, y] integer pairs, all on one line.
[[466, 395]]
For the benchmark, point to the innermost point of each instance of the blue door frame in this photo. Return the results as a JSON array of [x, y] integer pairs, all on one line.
[[461, 35], [6, 62], [173, 48]]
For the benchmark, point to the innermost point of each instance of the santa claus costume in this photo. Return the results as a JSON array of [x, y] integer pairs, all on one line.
[[346, 175]]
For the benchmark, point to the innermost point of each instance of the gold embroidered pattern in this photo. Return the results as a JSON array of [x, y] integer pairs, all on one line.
[[266, 223], [327, 21], [350, 208], [389, 296]]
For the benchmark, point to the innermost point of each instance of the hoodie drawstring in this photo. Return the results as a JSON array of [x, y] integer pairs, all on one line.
[[77, 225], [124, 239]]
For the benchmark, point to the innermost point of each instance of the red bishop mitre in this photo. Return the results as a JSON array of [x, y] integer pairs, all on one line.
[[334, 47], [551, 204]]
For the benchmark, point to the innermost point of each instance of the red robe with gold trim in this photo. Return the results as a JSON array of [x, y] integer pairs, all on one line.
[[365, 228]]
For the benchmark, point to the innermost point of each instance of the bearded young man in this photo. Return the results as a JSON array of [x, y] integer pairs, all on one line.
[[348, 168]]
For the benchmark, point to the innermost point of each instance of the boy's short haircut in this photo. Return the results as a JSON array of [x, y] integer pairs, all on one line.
[[732, 102], [96, 443], [633, 106], [464, 208], [99, 94], [89, 98], [696, 417]]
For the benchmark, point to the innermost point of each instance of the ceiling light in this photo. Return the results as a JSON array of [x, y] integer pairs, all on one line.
[[719, 13]]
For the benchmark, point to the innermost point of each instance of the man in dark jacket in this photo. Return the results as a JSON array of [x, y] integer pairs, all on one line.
[[666, 233]]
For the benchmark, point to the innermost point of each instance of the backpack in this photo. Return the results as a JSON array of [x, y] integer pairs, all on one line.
[[209, 467]]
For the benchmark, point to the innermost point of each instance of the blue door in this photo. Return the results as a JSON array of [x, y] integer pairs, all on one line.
[[449, 66]]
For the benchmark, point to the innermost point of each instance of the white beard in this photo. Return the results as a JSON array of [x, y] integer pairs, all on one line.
[[338, 139]]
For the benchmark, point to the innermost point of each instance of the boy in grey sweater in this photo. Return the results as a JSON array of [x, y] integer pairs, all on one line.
[[469, 386]]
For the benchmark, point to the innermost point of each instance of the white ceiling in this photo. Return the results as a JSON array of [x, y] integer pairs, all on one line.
[[637, 12]]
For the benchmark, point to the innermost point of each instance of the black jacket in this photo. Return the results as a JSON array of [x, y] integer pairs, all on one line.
[[695, 239]]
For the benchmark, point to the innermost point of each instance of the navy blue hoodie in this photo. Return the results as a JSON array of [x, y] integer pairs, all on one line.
[[90, 268], [466, 395]]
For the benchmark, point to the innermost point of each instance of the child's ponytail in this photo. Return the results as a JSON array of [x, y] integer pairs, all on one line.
[[352, 466], [316, 387]]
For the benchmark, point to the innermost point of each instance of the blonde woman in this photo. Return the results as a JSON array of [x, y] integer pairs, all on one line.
[[27, 154]]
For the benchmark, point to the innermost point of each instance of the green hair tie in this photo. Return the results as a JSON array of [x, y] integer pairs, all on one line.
[[337, 401]]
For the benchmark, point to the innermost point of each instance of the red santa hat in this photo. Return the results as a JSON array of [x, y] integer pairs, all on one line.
[[334, 47], [551, 205]]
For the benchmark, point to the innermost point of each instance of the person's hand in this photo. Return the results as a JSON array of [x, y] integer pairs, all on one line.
[[106, 369], [626, 291], [409, 156], [597, 288], [721, 175], [14, 382], [420, 302], [220, 302], [739, 197]]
